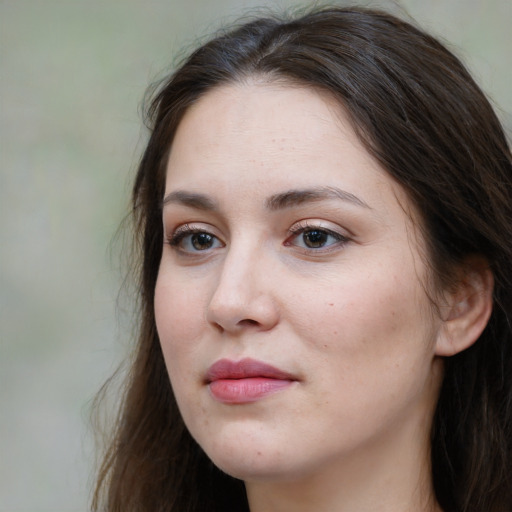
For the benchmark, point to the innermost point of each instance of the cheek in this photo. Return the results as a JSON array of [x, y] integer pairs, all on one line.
[[178, 312], [373, 342], [357, 306], [180, 322], [369, 329]]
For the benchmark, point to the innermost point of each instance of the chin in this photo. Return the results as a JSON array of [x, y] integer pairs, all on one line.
[[250, 461], [255, 470]]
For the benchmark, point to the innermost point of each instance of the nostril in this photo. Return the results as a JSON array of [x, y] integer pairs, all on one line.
[[247, 322], [218, 327]]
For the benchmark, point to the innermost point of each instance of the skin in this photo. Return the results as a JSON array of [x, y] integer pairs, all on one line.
[[350, 319]]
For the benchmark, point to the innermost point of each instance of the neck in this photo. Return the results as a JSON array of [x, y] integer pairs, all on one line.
[[387, 475]]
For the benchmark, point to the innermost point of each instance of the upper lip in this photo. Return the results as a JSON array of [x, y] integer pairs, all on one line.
[[244, 369]]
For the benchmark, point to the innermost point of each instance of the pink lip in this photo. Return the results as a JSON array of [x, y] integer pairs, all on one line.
[[244, 381]]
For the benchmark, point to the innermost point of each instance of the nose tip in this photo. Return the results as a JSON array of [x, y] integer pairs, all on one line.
[[233, 315], [242, 302]]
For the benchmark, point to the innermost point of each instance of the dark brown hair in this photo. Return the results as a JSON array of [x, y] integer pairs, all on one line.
[[420, 114]]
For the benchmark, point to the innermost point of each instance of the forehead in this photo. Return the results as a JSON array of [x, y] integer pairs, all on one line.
[[269, 106], [258, 130], [266, 124]]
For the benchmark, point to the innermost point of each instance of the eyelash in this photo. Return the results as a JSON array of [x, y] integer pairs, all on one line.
[[185, 230], [304, 227]]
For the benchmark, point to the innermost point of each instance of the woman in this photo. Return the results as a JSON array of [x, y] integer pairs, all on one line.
[[324, 214]]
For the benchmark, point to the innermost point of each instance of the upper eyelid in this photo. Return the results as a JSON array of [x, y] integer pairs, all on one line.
[[330, 232], [189, 228], [323, 225], [177, 234], [295, 232], [193, 227], [296, 227]]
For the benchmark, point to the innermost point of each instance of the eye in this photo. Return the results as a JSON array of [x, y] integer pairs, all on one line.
[[315, 237], [190, 239]]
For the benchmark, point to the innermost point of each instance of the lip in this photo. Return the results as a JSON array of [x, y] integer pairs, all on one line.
[[245, 381]]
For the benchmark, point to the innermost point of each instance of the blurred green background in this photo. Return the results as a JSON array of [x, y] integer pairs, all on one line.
[[73, 73]]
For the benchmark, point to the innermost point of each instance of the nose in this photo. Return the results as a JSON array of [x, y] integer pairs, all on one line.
[[243, 297]]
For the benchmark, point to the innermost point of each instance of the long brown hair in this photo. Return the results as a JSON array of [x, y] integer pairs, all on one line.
[[418, 111]]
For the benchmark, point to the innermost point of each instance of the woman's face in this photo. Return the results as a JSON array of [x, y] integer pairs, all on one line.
[[291, 299]]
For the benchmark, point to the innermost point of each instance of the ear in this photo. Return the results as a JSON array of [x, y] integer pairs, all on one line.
[[467, 308]]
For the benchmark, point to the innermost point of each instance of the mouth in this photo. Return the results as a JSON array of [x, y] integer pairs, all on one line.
[[245, 381]]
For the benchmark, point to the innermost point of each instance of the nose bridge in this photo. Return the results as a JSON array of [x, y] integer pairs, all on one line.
[[240, 266], [243, 293]]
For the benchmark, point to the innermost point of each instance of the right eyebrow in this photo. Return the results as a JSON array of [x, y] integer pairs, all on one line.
[[191, 199]]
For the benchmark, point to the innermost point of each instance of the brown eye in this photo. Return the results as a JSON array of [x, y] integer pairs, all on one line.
[[190, 240], [201, 241], [315, 238]]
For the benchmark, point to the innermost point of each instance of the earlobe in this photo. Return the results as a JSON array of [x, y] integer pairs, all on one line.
[[469, 308]]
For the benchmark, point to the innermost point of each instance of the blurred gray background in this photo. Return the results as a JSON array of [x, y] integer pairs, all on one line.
[[73, 73]]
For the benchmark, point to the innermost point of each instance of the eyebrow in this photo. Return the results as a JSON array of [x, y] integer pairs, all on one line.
[[293, 198], [281, 201], [191, 199]]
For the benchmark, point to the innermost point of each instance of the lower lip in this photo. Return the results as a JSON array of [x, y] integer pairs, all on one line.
[[242, 391]]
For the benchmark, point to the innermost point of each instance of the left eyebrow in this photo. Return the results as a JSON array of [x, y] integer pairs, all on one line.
[[297, 197], [190, 199]]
